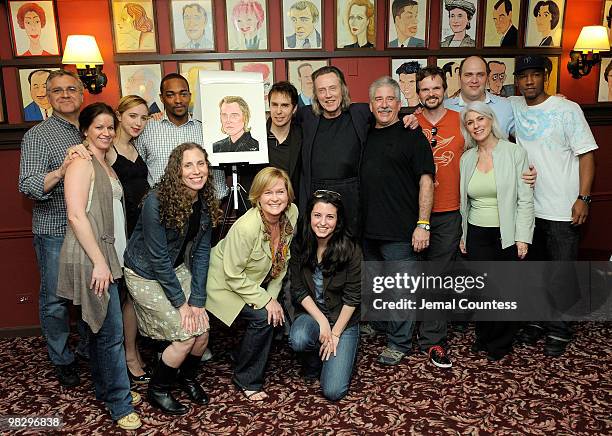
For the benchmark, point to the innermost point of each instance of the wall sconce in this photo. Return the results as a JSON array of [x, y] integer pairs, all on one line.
[[586, 53], [83, 51]]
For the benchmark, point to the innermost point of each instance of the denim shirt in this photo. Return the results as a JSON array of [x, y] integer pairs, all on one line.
[[153, 248]]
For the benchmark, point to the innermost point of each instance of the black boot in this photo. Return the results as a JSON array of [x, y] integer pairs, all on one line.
[[187, 380], [159, 390]]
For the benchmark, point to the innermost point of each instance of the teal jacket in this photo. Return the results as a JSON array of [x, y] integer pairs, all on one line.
[[514, 197]]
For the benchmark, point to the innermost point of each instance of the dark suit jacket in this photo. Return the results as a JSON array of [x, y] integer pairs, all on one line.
[[342, 288], [245, 143], [292, 40], [510, 39], [546, 41], [32, 112]]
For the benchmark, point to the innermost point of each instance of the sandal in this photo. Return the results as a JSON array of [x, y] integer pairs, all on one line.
[[249, 396]]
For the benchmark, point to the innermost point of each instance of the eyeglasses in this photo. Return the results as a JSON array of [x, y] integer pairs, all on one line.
[[433, 141], [323, 192], [70, 90]]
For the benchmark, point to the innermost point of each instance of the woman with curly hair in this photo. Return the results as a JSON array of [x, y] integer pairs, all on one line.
[[136, 28], [246, 273], [360, 23], [166, 269]]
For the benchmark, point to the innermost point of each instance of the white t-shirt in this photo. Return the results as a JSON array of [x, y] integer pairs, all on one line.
[[554, 133]]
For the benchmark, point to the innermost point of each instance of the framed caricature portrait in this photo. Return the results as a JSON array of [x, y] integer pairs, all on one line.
[[605, 81], [544, 23], [267, 72], [193, 25], [299, 73], [34, 29], [142, 80], [500, 80], [502, 22], [302, 23], [405, 71], [551, 84], [607, 19], [451, 71], [33, 91], [407, 23], [189, 70], [233, 117], [134, 28], [247, 25], [355, 24], [459, 22]]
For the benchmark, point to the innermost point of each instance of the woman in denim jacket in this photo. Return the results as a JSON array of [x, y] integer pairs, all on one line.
[[166, 268]]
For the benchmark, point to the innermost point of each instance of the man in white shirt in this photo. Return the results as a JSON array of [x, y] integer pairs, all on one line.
[[560, 144]]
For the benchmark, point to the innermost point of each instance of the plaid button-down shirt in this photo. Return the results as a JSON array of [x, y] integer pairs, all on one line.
[[43, 149], [159, 138]]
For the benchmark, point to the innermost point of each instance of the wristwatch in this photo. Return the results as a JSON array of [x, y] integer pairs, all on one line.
[[424, 226], [585, 198]]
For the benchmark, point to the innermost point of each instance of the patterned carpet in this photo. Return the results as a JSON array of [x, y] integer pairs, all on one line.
[[526, 393]]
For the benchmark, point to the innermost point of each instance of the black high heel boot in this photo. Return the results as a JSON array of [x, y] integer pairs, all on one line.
[[159, 390], [187, 380]]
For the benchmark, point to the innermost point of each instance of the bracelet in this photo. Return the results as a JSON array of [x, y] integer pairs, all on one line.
[[333, 334], [422, 222]]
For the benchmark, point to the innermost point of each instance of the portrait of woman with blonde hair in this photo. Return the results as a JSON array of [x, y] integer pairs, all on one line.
[[134, 29], [359, 21]]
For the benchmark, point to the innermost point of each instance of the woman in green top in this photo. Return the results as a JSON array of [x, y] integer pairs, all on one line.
[[496, 208]]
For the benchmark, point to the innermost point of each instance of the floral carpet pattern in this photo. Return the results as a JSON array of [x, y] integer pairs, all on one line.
[[524, 394]]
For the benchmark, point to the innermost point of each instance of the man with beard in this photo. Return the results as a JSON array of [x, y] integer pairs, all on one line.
[[175, 127], [441, 127], [397, 201]]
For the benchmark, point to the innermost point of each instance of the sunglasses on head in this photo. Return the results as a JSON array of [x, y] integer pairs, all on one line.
[[433, 142], [323, 192]]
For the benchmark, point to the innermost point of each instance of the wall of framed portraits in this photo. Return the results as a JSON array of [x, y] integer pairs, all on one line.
[[141, 40]]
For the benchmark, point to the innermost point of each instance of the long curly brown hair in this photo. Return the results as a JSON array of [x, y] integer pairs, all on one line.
[[175, 203]]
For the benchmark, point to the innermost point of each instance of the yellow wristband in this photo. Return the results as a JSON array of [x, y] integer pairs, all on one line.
[[422, 222]]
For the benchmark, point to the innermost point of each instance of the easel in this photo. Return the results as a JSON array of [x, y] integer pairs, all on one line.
[[235, 195]]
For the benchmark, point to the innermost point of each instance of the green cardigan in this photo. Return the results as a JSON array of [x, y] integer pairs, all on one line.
[[514, 197], [238, 265]]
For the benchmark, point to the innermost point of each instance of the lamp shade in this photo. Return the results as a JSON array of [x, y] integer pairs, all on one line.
[[82, 50], [593, 38]]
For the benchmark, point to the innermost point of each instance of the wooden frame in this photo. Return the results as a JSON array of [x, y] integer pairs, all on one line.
[[291, 41], [192, 36], [419, 40], [533, 37], [148, 80], [30, 110], [262, 67], [235, 41], [129, 37], [39, 19], [510, 37], [346, 40], [470, 40]]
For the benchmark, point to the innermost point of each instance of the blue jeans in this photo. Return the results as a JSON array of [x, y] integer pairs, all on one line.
[[108, 367], [399, 333], [335, 372], [53, 310]]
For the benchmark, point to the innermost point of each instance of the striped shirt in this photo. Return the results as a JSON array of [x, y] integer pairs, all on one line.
[[43, 149], [160, 137]]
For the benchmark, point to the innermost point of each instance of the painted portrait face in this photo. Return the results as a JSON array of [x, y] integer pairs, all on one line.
[[458, 20], [453, 82], [407, 22], [303, 24], [195, 23], [38, 89], [407, 83], [497, 77], [124, 23], [305, 74], [544, 20], [232, 119], [247, 25], [194, 170], [502, 19], [138, 84], [358, 20], [31, 22]]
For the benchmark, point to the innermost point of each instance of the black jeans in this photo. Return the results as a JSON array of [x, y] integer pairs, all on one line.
[[557, 241], [484, 244], [254, 350]]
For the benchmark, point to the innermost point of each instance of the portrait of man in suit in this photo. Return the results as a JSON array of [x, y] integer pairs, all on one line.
[[406, 21], [235, 116], [496, 78], [306, 90], [502, 17], [304, 16], [40, 108], [195, 20]]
